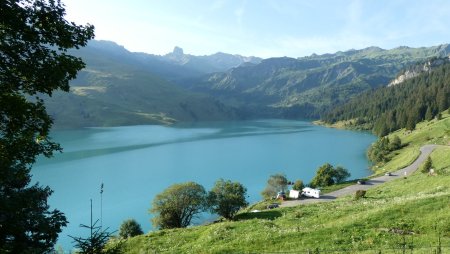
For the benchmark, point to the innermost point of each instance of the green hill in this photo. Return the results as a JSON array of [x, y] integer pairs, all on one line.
[[118, 88], [411, 213]]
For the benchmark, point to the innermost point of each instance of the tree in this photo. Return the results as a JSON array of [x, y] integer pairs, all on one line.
[[226, 198], [428, 165], [298, 185], [327, 175], [275, 183], [177, 205], [395, 144], [130, 228], [411, 123], [34, 39], [324, 176], [429, 114], [340, 174], [95, 243], [379, 151]]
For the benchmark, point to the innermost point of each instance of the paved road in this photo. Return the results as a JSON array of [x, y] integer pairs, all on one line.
[[425, 151]]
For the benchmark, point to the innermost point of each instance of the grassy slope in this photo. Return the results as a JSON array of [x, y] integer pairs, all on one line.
[[432, 132], [421, 200], [344, 224]]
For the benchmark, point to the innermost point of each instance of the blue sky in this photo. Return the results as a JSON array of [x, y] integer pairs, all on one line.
[[265, 28]]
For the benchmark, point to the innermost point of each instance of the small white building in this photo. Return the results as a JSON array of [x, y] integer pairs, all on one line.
[[310, 192], [294, 194]]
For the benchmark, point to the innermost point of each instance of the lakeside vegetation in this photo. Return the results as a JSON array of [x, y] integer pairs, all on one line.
[[418, 205], [370, 223]]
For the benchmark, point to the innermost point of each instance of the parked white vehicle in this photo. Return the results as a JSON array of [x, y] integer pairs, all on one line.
[[310, 192], [295, 194]]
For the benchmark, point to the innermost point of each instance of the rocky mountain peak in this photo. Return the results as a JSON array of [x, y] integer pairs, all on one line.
[[177, 51]]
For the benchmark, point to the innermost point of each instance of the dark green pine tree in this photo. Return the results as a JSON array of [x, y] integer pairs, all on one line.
[[410, 123], [429, 114]]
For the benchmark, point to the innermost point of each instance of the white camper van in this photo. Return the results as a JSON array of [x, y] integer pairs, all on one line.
[[310, 192], [295, 194]]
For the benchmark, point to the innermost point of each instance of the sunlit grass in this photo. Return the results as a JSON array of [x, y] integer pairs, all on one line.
[[432, 132], [343, 224]]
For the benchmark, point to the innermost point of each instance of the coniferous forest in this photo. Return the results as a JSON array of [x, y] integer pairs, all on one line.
[[390, 108]]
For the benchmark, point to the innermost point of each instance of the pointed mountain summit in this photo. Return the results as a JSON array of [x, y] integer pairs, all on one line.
[[177, 51]]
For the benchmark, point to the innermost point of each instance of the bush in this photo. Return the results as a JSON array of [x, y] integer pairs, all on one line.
[[427, 166], [360, 194], [130, 228]]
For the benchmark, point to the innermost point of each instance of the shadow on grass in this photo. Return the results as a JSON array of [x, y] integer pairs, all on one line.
[[268, 215]]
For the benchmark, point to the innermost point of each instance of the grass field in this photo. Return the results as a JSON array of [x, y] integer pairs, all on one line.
[[411, 213], [421, 202]]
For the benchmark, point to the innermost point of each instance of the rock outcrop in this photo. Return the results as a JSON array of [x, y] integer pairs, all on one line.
[[418, 69]]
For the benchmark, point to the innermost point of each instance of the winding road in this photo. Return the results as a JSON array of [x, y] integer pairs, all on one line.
[[424, 153]]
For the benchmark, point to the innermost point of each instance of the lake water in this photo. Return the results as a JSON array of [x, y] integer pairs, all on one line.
[[136, 162]]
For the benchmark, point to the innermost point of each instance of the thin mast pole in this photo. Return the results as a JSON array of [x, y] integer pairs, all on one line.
[[101, 206], [91, 218]]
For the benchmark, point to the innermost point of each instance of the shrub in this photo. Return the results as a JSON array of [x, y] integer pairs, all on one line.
[[360, 194], [427, 166], [130, 228]]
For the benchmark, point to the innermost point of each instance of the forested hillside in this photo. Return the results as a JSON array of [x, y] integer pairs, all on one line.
[[401, 106]]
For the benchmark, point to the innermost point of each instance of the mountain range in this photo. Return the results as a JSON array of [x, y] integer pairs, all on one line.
[[119, 87], [309, 86]]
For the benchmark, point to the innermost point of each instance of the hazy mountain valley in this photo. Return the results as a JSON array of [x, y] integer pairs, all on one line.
[[119, 87]]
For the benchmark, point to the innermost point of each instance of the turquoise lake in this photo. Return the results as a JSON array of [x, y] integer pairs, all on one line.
[[136, 162]]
